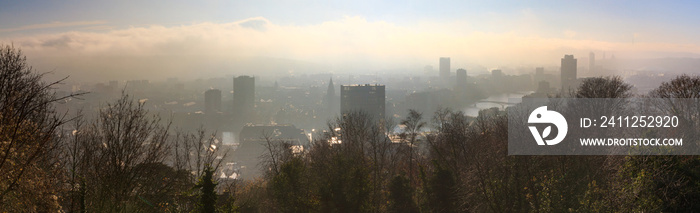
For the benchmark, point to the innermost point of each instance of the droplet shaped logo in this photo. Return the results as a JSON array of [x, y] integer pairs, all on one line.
[[542, 116]]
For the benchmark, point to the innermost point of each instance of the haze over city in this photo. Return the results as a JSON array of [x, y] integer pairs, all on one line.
[[100, 40], [349, 106]]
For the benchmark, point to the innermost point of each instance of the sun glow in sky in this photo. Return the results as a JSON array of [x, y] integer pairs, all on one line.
[[118, 39]]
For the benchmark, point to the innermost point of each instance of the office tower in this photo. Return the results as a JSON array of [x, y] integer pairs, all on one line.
[[367, 98], [445, 68], [591, 62], [243, 95], [568, 73], [212, 101], [461, 78]]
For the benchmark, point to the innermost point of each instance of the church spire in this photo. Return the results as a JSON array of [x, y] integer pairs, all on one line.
[[331, 88]]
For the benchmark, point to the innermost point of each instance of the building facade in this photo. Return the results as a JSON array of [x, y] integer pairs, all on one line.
[[367, 98], [212, 101], [243, 95], [445, 68], [568, 73]]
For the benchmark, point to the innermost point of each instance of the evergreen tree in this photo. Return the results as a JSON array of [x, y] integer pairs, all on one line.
[[206, 184], [290, 188], [441, 190]]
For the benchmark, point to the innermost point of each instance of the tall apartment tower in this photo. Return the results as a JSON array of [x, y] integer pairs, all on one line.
[[568, 73], [445, 68], [461, 80], [367, 98], [243, 95], [212, 101]]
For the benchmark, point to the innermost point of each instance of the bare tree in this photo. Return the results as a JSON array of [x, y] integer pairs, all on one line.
[[123, 149], [75, 160], [28, 135], [276, 153], [666, 183], [680, 97], [603, 87], [413, 124], [193, 151]]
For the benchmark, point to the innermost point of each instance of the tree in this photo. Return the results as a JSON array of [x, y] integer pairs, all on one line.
[[613, 89], [401, 195], [191, 154], [194, 151], [680, 97], [603, 87], [351, 165], [74, 159], [666, 183], [413, 125], [207, 186], [121, 147], [683, 86], [28, 136], [441, 190], [290, 187]]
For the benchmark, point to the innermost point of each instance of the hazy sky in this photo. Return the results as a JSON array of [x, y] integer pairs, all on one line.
[[130, 39]]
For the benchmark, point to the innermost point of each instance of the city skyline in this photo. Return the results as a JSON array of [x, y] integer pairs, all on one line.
[[349, 106], [121, 41]]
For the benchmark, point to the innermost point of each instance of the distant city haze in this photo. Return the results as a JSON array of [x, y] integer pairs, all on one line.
[[340, 106], [122, 41]]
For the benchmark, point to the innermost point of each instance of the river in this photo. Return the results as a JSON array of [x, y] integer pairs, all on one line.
[[501, 101]]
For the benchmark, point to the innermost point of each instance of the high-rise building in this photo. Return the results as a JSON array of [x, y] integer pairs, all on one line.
[[591, 63], [568, 73], [445, 68], [367, 98], [212, 101], [243, 95], [461, 78]]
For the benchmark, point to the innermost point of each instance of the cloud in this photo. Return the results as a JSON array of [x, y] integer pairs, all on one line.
[[351, 44], [52, 25], [258, 23]]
